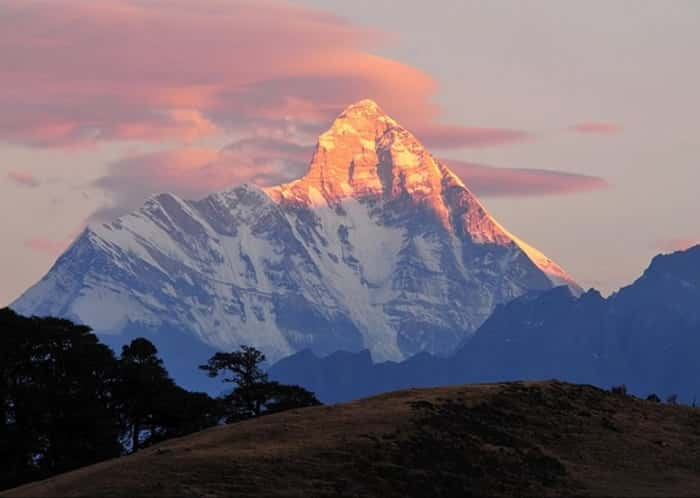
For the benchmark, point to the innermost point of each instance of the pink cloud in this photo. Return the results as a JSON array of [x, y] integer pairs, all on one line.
[[185, 124], [676, 244], [490, 181], [46, 246], [195, 172], [599, 128], [448, 136], [23, 178], [53, 247], [77, 72]]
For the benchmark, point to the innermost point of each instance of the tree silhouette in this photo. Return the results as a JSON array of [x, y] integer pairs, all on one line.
[[283, 397], [244, 366], [56, 412], [254, 394], [245, 369], [143, 382], [180, 412], [66, 401]]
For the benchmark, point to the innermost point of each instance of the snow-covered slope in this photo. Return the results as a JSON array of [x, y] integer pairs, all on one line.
[[379, 246]]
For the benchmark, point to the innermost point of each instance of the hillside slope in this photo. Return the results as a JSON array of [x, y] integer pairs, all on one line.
[[545, 438]]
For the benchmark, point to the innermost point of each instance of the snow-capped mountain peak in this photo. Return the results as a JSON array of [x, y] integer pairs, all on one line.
[[365, 152], [378, 246]]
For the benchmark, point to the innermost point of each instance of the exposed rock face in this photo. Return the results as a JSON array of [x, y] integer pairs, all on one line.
[[378, 246]]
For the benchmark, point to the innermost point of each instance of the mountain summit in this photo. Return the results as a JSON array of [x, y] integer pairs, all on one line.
[[366, 154], [378, 246]]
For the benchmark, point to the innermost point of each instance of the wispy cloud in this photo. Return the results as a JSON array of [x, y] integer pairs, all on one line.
[[490, 181], [597, 128], [676, 244], [23, 178], [53, 247], [46, 246], [447, 136], [195, 172]]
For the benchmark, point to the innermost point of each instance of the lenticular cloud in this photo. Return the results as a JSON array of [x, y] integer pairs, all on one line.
[[78, 72]]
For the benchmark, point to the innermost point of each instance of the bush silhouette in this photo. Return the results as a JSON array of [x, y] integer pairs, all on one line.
[[620, 390]]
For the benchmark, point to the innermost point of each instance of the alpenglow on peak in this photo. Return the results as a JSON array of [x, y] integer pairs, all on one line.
[[366, 152], [378, 246]]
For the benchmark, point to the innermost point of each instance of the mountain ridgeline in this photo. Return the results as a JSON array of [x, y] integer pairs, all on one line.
[[379, 247], [646, 336]]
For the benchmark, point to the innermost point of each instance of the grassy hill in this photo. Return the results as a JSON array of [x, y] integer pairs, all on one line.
[[543, 438]]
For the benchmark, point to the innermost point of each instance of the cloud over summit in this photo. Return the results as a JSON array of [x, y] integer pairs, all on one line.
[[78, 72]]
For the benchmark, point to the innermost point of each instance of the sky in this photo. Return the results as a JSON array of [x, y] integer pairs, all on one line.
[[576, 123]]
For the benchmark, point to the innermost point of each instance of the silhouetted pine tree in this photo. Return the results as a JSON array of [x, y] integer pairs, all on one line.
[[254, 394]]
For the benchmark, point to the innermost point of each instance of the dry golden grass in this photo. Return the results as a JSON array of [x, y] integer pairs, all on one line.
[[544, 438]]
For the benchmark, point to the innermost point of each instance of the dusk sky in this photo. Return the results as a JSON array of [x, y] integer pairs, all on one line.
[[575, 122]]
